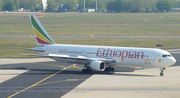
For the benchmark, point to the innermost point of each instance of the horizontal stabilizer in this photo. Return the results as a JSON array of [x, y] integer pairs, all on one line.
[[32, 49]]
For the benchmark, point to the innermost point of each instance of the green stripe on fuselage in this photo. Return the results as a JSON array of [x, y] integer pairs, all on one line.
[[39, 29]]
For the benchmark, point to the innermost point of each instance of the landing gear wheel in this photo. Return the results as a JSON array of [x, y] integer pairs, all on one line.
[[89, 71], [112, 69], [83, 70], [162, 70], [161, 74], [106, 69], [109, 69], [86, 71]]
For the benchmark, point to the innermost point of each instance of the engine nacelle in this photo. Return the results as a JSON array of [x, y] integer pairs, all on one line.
[[98, 65]]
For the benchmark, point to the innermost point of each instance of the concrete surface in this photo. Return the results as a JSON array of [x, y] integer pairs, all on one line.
[[139, 84]]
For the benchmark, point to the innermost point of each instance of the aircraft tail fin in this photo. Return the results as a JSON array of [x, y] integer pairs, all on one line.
[[41, 35]]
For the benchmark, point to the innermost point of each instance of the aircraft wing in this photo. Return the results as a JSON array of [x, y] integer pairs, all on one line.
[[82, 58]]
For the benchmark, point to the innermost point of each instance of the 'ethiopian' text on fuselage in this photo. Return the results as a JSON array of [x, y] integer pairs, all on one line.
[[102, 52]]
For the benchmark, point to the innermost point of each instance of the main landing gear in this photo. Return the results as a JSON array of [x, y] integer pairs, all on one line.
[[162, 70], [87, 70], [109, 68]]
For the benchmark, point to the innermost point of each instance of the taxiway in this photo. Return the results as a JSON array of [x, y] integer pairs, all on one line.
[[45, 78]]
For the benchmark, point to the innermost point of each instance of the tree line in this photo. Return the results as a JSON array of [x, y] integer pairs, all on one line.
[[140, 5], [11, 5], [110, 5]]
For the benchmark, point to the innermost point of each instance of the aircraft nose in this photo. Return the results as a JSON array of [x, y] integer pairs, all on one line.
[[172, 61]]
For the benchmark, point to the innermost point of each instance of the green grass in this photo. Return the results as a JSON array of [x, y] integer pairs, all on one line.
[[113, 29], [95, 29], [96, 17], [5, 51]]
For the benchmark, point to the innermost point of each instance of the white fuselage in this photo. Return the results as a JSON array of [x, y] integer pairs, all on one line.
[[124, 56]]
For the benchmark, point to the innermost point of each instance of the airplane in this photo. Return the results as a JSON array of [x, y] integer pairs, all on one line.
[[97, 58]]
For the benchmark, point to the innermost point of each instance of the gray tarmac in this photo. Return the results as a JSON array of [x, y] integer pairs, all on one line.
[[42, 80], [45, 78]]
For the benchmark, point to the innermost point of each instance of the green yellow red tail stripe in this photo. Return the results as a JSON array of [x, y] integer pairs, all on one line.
[[41, 35]]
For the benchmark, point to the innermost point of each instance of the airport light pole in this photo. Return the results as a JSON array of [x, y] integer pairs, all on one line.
[[96, 5], [75, 4], [84, 5]]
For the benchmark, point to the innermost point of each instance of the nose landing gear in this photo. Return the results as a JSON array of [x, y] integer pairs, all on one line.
[[161, 74], [162, 70]]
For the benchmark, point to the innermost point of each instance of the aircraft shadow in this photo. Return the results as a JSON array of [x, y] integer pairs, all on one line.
[[122, 74], [77, 72]]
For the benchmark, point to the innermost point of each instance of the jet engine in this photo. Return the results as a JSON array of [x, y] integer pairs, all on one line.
[[98, 65]]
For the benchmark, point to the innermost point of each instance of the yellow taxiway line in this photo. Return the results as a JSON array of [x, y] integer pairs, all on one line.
[[41, 81], [51, 65], [60, 81]]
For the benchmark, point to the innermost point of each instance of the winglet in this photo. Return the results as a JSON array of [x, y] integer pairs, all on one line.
[[41, 35]]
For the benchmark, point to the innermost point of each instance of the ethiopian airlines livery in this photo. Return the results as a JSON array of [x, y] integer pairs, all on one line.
[[97, 58]]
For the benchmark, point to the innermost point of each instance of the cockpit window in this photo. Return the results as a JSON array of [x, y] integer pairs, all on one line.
[[165, 55], [169, 55]]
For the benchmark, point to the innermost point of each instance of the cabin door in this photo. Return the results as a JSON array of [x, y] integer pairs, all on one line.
[[152, 57], [84, 53]]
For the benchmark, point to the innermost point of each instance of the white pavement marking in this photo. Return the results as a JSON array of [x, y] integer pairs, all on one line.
[[8, 74], [139, 84]]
